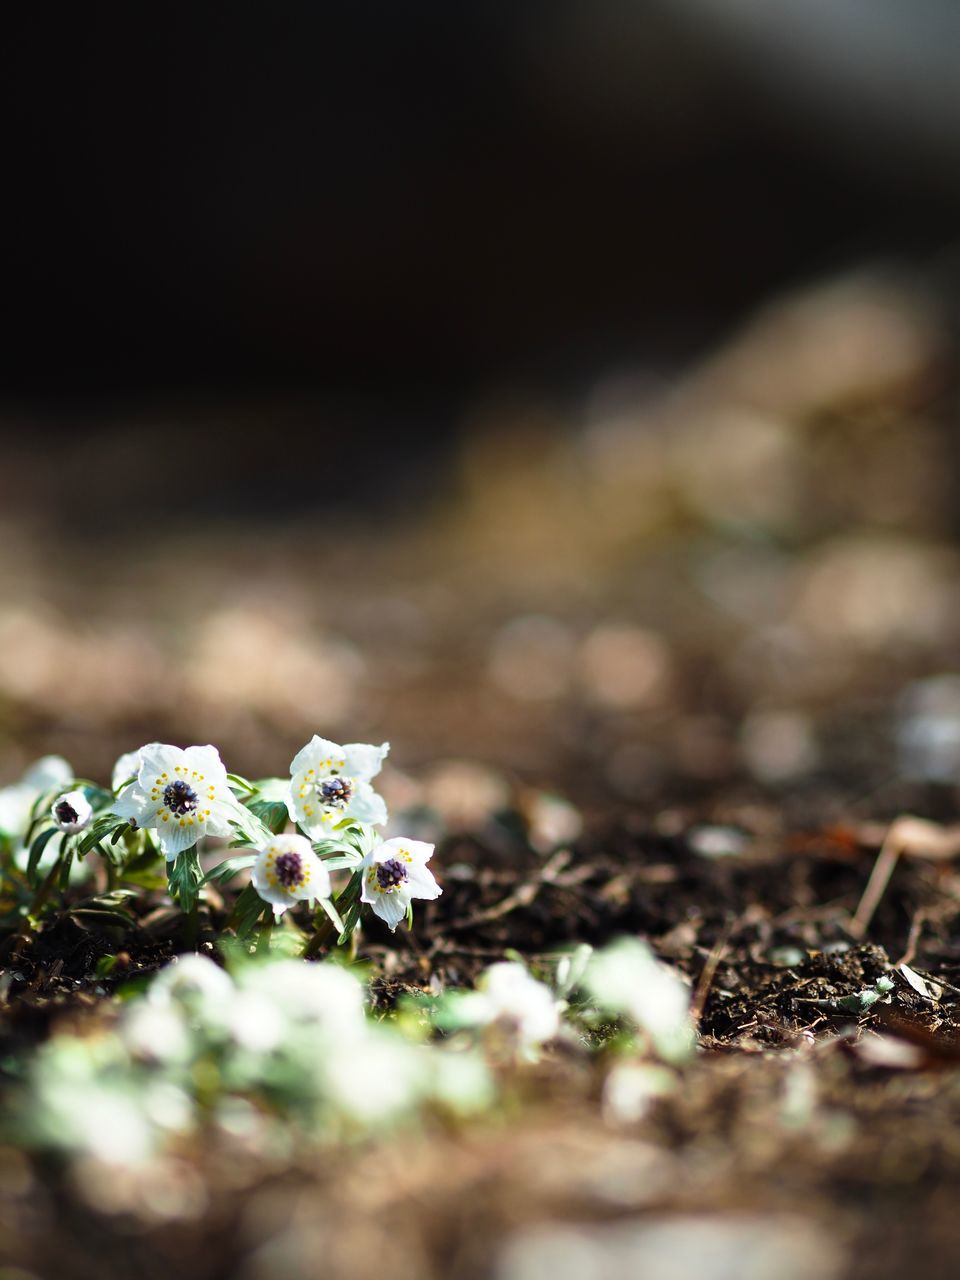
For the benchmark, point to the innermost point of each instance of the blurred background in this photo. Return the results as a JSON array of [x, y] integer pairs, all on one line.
[[568, 389]]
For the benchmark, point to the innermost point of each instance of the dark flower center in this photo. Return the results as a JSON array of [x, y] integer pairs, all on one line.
[[65, 812], [289, 869], [335, 791], [390, 874], [180, 797]]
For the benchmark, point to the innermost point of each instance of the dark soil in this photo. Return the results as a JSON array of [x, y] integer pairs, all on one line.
[[795, 1104]]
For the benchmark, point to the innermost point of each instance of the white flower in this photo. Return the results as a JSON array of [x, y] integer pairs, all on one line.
[[509, 997], [154, 1031], [72, 812], [394, 873], [192, 981], [631, 1088], [288, 871], [324, 996], [127, 767], [626, 978], [17, 800], [376, 1078], [183, 794], [329, 783], [84, 1102]]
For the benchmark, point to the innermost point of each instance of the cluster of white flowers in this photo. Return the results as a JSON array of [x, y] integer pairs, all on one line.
[[186, 794], [290, 1037], [181, 796], [279, 1050]]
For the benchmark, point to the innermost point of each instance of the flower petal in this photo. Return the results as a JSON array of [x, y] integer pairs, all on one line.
[[174, 839], [416, 852], [364, 761], [391, 907], [316, 750], [157, 758], [422, 884], [206, 760], [134, 803], [366, 805], [127, 766]]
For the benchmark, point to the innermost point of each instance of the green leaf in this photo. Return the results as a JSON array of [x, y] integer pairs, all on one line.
[[350, 825], [185, 877], [246, 911], [66, 862], [36, 852], [96, 795], [150, 878], [112, 898], [341, 862], [272, 813], [350, 923], [331, 911], [102, 826], [227, 869], [242, 783], [145, 870], [108, 917]]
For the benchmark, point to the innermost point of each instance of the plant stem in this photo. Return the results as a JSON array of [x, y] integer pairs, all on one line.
[[40, 897], [191, 929], [326, 929], [266, 930]]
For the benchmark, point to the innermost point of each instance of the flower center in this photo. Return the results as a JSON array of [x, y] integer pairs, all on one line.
[[65, 812], [289, 869], [390, 874], [335, 791], [180, 797]]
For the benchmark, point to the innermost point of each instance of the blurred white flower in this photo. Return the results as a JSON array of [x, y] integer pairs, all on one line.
[[16, 801], [81, 1105], [154, 1031], [377, 1078], [183, 794], [394, 873], [461, 1082], [510, 998], [324, 996], [253, 1021], [126, 767], [628, 980], [194, 982], [329, 783], [287, 871], [632, 1087], [72, 812]]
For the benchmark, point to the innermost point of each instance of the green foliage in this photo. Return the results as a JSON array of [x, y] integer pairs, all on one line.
[[227, 869], [36, 853], [247, 910], [185, 877], [272, 813]]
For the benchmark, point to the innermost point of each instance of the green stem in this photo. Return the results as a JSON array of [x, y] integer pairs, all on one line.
[[266, 931], [326, 930], [40, 897], [191, 928]]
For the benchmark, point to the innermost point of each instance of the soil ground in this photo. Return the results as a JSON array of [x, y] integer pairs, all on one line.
[[842, 1129]]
